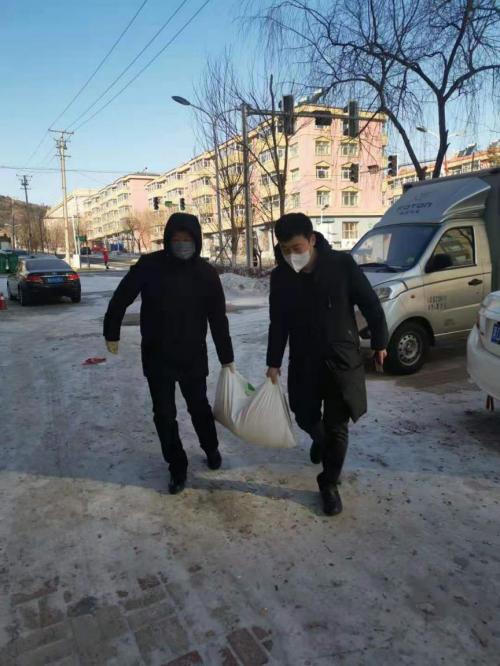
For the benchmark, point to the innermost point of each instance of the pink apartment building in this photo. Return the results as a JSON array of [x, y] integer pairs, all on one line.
[[318, 182], [114, 213], [319, 177]]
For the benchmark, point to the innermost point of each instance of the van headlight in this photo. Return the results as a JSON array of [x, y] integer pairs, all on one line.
[[390, 290]]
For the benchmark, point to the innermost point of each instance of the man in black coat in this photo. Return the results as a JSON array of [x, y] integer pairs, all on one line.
[[181, 294], [313, 293]]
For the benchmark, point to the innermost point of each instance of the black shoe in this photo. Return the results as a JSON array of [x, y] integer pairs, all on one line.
[[214, 460], [332, 504], [176, 485], [316, 452]]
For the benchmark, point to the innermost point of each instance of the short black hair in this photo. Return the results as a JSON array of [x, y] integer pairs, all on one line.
[[293, 224]]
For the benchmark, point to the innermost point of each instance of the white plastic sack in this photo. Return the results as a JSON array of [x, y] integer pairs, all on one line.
[[259, 416]]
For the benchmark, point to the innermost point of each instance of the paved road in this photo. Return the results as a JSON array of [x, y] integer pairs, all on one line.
[[98, 565]]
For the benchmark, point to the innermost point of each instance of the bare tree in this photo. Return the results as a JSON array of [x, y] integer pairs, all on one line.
[[139, 226], [397, 57], [222, 95], [216, 94]]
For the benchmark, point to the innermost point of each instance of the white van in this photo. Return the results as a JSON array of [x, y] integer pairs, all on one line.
[[432, 258]]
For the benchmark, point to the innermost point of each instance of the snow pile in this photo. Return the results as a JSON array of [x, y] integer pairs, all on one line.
[[243, 285]]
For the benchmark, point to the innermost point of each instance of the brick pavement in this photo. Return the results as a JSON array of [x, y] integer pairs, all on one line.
[[145, 627]]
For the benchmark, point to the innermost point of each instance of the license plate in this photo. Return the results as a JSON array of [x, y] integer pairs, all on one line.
[[495, 334], [53, 280]]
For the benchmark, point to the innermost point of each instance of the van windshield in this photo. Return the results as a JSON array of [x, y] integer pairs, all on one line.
[[393, 248]]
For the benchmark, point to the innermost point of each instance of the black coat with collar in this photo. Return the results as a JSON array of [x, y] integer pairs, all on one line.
[[323, 328], [179, 300]]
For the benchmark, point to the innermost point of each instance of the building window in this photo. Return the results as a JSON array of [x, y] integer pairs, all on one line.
[[269, 178], [349, 231], [293, 150], [268, 155], [200, 182], [322, 198], [346, 172], [294, 175], [204, 200], [322, 147], [271, 202], [294, 200], [349, 149], [322, 171], [349, 198]]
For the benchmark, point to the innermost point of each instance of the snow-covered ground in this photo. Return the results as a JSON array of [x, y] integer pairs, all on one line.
[[408, 574]]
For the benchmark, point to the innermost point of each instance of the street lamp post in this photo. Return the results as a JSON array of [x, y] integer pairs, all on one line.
[[213, 122]]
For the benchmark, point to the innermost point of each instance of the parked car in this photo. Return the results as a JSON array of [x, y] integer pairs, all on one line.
[[38, 276], [432, 259], [483, 347]]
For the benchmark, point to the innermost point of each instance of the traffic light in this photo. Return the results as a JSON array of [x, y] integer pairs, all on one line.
[[354, 173], [182, 203], [351, 123], [323, 119], [156, 203], [392, 165], [288, 117]]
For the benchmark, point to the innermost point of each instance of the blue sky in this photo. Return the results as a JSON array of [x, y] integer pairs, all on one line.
[[47, 51], [48, 48]]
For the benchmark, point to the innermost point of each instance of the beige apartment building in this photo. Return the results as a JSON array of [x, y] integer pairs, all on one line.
[[465, 161], [318, 182], [54, 219], [119, 212]]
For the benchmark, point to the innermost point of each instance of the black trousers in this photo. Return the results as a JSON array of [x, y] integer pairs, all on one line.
[[194, 390], [320, 410]]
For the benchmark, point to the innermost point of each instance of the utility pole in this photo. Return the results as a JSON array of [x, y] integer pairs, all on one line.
[[61, 145], [13, 219], [246, 186], [25, 181], [217, 187]]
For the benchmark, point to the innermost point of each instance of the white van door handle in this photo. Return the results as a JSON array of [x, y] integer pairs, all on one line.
[[475, 282]]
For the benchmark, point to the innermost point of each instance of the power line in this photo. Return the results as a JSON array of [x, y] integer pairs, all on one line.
[[49, 169], [99, 66], [115, 81], [181, 30]]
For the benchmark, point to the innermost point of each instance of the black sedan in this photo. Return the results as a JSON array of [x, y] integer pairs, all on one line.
[[43, 276]]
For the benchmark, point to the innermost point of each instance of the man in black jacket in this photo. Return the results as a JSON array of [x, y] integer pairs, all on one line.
[[181, 294], [313, 293]]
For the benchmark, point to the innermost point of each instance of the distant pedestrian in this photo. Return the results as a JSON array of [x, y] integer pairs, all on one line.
[[105, 256], [313, 293], [181, 294]]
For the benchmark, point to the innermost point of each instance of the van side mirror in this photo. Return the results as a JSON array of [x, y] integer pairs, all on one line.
[[438, 262]]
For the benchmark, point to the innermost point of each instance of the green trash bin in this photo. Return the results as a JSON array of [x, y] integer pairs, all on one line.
[[12, 260], [4, 266]]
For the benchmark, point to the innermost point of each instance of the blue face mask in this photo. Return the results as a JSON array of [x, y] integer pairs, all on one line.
[[183, 249]]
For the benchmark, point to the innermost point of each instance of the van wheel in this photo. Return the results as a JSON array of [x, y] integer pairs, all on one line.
[[407, 349]]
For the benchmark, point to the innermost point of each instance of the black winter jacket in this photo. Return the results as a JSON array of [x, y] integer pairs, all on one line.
[[179, 300], [325, 329]]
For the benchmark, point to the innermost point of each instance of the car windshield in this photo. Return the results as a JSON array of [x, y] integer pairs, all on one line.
[[394, 248], [47, 265]]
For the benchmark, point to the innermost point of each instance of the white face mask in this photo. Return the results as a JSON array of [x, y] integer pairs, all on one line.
[[298, 261]]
